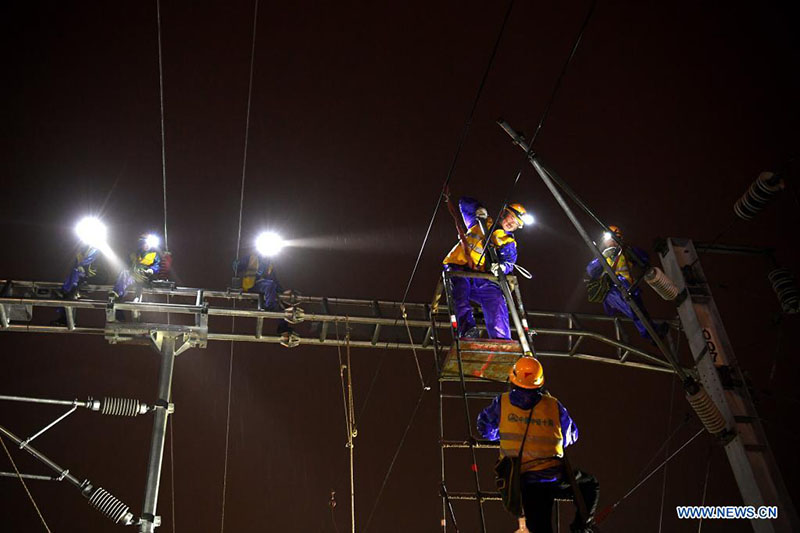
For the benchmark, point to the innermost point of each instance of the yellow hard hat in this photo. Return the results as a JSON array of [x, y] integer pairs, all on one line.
[[527, 373], [520, 213]]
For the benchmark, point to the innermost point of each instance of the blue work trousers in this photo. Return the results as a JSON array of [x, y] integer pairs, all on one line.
[[489, 296], [615, 303]]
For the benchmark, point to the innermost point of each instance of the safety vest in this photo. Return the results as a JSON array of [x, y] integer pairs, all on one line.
[[619, 263], [474, 238], [147, 259], [544, 445], [252, 274]]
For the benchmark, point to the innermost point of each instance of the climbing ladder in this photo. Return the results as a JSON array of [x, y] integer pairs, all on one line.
[[479, 368]]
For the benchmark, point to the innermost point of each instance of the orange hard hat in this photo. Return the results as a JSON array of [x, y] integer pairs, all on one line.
[[527, 373]]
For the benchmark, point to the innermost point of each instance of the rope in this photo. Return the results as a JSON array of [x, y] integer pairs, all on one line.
[[227, 433], [461, 140], [413, 346], [608, 510], [666, 452], [350, 424], [163, 141], [396, 453], [542, 119], [705, 486], [172, 469], [247, 130], [24, 485]]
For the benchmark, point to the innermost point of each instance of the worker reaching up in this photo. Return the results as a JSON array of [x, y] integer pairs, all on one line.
[[533, 425], [469, 254], [624, 261]]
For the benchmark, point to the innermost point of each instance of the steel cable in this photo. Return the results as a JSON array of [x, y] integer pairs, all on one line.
[[24, 485]]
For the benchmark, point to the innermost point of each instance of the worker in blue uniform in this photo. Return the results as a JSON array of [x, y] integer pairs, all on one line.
[[144, 264], [82, 271], [623, 261], [470, 254], [530, 420], [258, 276]]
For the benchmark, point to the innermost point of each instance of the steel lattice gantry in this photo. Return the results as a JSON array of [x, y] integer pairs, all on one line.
[[173, 319]]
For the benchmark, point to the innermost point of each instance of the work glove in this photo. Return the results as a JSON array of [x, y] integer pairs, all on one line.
[[496, 268], [481, 212]]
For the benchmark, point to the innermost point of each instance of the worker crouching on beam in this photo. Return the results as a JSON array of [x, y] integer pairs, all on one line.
[[144, 265], [469, 254], [533, 425], [257, 273], [624, 261]]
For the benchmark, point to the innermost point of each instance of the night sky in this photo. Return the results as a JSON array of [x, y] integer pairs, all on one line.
[[666, 115]]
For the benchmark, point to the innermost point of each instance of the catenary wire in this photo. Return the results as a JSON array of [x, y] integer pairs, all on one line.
[[542, 119], [163, 137], [459, 146], [238, 247], [247, 129]]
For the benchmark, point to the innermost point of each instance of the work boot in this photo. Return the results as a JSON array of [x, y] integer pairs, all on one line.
[[472, 333]]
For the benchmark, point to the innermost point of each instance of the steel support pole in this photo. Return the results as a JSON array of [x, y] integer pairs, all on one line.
[[166, 348]]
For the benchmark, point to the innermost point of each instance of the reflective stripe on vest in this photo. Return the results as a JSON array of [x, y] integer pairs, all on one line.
[[474, 237], [544, 444], [618, 262]]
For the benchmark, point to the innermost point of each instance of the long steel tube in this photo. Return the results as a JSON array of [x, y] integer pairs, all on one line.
[[550, 178], [165, 372]]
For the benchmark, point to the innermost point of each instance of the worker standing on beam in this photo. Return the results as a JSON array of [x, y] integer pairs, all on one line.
[[468, 254], [624, 260], [528, 421], [257, 273]]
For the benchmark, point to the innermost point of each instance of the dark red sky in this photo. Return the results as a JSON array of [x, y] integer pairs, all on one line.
[[667, 113]]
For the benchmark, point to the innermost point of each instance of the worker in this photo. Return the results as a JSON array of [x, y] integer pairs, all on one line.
[[82, 271], [623, 261], [529, 412], [145, 263], [258, 276], [469, 255]]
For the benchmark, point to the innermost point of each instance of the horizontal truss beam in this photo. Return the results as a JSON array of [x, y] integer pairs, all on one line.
[[20, 298]]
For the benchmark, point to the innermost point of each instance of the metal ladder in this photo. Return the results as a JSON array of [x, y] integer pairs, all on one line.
[[475, 361]]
